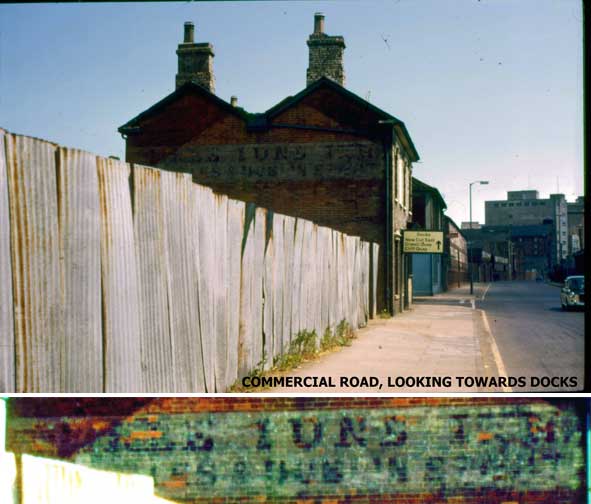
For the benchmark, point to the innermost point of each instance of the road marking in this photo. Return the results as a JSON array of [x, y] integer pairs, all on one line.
[[495, 351], [485, 291]]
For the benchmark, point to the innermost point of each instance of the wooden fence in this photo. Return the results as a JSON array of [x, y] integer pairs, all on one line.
[[126, 278]]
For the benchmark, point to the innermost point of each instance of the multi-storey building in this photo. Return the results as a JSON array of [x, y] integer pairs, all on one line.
[[527, 208]]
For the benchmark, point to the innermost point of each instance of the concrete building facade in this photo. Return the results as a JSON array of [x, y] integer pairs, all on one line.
[[325, 155], [527, 208], [576, 225]]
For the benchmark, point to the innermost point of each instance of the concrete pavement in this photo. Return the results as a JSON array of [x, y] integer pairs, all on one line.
[[440, 338]]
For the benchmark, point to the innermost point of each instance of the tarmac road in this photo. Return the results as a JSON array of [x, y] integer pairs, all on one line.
[[534, 337]]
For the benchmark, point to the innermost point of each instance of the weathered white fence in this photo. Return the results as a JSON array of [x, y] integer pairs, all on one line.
[[37, 480], [119, 278]]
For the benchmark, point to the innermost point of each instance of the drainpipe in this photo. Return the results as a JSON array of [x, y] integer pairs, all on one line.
[[3, 424], [388, 139], [388, 240]]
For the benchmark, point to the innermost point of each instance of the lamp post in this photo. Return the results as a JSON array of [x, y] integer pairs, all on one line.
[[482, 182]]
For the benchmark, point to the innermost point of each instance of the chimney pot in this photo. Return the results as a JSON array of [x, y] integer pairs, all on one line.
[[195, 61], [318, 23], [325, 54], [189, 33], [234, 101]]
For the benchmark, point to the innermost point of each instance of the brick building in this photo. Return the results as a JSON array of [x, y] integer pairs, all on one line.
[[455, 257], [490, 249], [325, 154], [319, 450], [428, 275], [532, 248]]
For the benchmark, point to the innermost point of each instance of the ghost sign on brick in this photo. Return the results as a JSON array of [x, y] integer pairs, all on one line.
[[423, 242], [364, 451]]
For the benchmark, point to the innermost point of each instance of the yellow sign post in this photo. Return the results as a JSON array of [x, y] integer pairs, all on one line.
[[422, 242]]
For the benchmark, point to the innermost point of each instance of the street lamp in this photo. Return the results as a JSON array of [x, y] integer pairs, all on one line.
[[482, 182]]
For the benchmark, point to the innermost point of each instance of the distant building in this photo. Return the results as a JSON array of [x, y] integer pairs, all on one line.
[[523, 208], [576, 225], [490, 250], [455, 258], [427, 213], [324, 154], [532, 250]]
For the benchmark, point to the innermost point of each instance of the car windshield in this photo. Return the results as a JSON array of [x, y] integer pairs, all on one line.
[[576, 284]]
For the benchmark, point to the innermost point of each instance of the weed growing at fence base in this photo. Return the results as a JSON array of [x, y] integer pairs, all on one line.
[[385, 314], [303, 347]]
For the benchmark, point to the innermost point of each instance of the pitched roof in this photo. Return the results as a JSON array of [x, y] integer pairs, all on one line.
[[290, 101], [186, 88], [261, 121], [418, 186]]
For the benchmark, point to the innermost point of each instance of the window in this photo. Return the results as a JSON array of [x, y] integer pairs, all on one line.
[[399, 177], [503, 204], [407, 188], [496, 205]]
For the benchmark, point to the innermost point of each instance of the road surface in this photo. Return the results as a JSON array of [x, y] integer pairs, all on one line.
[[534, 337]]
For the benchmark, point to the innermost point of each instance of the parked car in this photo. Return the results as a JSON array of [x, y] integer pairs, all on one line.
[[573, 292]]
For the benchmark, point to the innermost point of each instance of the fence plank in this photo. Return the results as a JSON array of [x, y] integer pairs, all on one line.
[[234, 240], [180, 210], [7, 357], [80, 252], [325, 264], [152, 262], [289, 224], [217, 343], [121, 325], [245, 343], [297, 277], [205, 218], [375, 248], [257, 285], [37, 292], [268, 298], [278, 285]]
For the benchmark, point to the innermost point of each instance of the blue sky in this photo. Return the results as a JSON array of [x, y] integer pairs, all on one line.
[[487, 89]]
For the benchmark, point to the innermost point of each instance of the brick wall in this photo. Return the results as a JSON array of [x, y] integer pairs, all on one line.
[[287, 450], [332, 173]]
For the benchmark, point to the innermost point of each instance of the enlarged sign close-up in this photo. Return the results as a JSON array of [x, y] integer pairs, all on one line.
[[536, 447], [423, 242]]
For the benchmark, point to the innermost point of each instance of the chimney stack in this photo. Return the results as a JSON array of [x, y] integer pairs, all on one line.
[[234, 101], [195, 61], [325, 54]]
